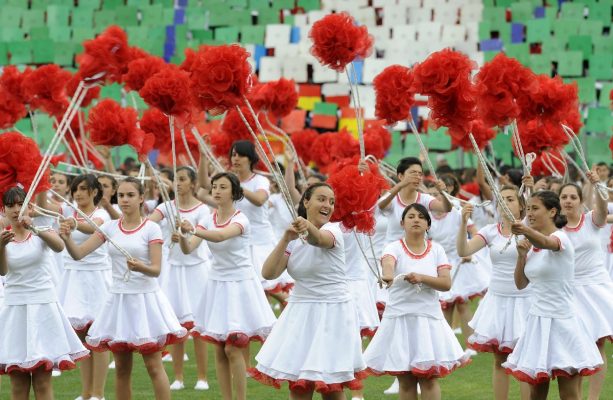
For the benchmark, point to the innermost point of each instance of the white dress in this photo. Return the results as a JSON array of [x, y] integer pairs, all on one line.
[[359, 281], [374, 257], [315, 344], [85, 284], [414, 336], [186, 274], [500, 318], [279, 215], [606, 238], [394, 213], [262, 234], [555, 342], [593, 285], [34, 331], [136, 316], [233, 308]]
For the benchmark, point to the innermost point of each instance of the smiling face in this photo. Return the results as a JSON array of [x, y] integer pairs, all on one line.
[[128, 197], [570, 200], [83, 196], [222, 191], [539, 217], [320, 206], [414, 223]]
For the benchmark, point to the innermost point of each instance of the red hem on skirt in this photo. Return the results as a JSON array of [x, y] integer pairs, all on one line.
[[280, 288], [602, 340], [236, 339], [47, 365], [460, 300], [305, 386], [491, 346], [380, 309], [432, 372], [84, 329], [543, 377], [367, 332], [189, 325], [145, 348]]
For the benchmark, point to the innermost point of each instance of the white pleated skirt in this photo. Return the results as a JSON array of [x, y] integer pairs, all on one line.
[[595, 309], [82, 294], [313, 346], [233, 312], [552, 347], [139, 322], [37, 335], [259, 254], [364, 300], [423, 346], [498, 323], [183, 286]]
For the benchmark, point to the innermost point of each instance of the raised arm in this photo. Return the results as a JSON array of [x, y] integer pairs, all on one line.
[[600, 209], [484, 188], [464, 246], [276, 262], [315, 236], [290, 179], [5, 238], [257, 198], [441, 205], [521, 280], [536, 238]]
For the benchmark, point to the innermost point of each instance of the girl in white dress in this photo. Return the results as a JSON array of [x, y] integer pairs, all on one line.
[[137, 316], [414, 342], [593, 287], [35, 335], [501, 316], [186, 274], [315, 345], [555, 344], [85, 284], [233, 309]]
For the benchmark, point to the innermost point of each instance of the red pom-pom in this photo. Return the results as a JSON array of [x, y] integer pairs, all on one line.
[[482, 133], [220, 76], [278, 98], [45, 89], [19, 160], [395, 97], [155, 123], [303, 141], [549, 162], [337, 41], [377, 140], [356, 195], [58, 158], [169, 91], [106, 57], [331, 146], [501, 83], [234, 126], [12, 81], [554, 101], [221, 144], [445, 77], [92, 92], [140, 70], [11, 109], [537, 135]]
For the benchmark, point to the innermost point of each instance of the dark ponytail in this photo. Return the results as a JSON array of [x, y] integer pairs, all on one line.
[[551, 200], [307, 196]]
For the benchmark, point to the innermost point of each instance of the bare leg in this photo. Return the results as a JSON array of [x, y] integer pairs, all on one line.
[[300, 396], [597, 380], [430, 389], [20, 385], [465, 315], [202, 359], [448, 313], [86, 370], [237, 369], [500, 380], [333, 396], [100, 362], [41, 383], [524, 390], [123, 375], [407, 387], [539, 392], [177, 351], [569, 388], [247, 356], [224, 377], [157, 373]]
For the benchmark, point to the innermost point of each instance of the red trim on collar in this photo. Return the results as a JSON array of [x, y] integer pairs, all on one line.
[[225, 223], [413, 255], [129, 232], [578, 227]]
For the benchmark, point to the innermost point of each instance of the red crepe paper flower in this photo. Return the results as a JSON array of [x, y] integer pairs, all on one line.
[[337, 41], [106, 57], [58, 158], [537, 135], [221, 144], [278, 98], [553, 101], [445, 77], [394, 93], [377, 140], [45, 89], [356, 196], [332, 146], [140, 70], [548, 160], [234, 127], [11, 109], [12, 81], [154, 122], [482, 133], [220, 77], [502, 84], [92, 92], [303, 141], [19, 161], [169, 90]]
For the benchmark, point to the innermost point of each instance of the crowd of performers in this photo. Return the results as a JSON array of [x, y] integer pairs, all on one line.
[[210, 262]]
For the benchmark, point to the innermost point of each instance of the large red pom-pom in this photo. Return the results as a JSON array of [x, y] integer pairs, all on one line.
[[331, 146], [303, 141], [220, 76], [106, 57], [140, 70], [11, 109], [12, 80], [549, 162], [278, 98], [19, 160], [554, 101], [92, 92], [445, 77], [356, 195], [482, 133], [337, 41], [155, 123], [45, 89], [169, 91], [395, 97], [501, 84], [536, 135], [221, 144], [377, 140]]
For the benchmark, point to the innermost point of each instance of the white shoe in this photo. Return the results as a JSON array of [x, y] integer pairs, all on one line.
[[457, 331], [177, 385], [167, 358], [394, 388], [185, 357], [418, 388], [56, 372], [79, 398], [112, 365], [201, 385], [470, 353]]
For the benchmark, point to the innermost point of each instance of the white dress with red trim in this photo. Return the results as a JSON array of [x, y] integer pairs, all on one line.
[[85, 283], [34, 331], [56, 264], [262, 235], [233, 308], [359, 281], [593, 287], [186, 274], [555, 342], [469, 279], [137, 316], [394, 213], [414, 336], [315, 344], [500, 318]]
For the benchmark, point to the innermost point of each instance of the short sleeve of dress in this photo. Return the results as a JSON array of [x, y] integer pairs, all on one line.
[[242, 221], [336, 232], [487, 234], [160, 210], [426, 200], [154, 233], [442, 262], [391, 251], [106, 228], [592, 224], [562, 239], [262, 183], [290, 248]]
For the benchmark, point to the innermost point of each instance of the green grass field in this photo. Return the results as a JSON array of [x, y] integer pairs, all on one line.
[[468, 383]]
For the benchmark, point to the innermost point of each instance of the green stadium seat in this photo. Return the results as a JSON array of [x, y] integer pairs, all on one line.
[[111, 91], [587, 89], [489, 3], [519, 51], [112, 4], [253, 34], [39, 33], [237, 3], [603, 98], [226, 34], [521, 11], [599, 120], [504, 3], [8, 34], [541, 64], [104, 17], [494, 15], [93, 4], [137, 34], [258, 4], [572, 10], [563, 29], [10, 17], [64, 53], [63, 3], [601, 66], [32, 18], [489, 55], [591, 28], [140, 4], [600, 12], [485, 30], [553, 46], [127, 16], [39, 4], [21, 52], [81, 34], [196, 20], [603, 44], [309, 5], [504, 32], [538, 30], [4, 58], [60, 33], [582, 44], [283, 4], [57, 15], [437, 139], [202, 34], [570, 63], [82, 17], [43, 51], [152, 15], [323, 108]]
